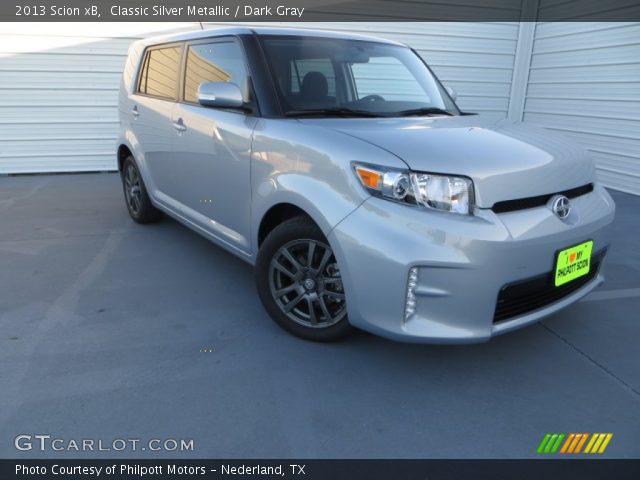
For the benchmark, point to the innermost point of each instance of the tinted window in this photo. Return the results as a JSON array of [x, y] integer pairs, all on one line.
[[213, 62], [160, 73]]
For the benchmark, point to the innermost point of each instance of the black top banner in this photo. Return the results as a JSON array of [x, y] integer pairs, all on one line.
[[319, 10], [321, 469]]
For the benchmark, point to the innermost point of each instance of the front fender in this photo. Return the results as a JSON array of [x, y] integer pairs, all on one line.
[[309, 167], [314, 198]]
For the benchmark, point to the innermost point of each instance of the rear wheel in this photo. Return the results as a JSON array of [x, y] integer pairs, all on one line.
[[299, 282], [135, 194]]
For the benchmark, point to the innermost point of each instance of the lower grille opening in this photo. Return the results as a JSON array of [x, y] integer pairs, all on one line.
[[525, 296]]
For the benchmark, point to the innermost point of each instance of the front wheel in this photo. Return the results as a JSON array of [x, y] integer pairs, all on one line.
[[299, 282]]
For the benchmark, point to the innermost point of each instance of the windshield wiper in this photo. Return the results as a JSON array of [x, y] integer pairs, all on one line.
[[338, 112], [424, 111]]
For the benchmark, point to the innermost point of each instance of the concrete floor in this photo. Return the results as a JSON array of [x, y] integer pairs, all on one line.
[[104, 323]]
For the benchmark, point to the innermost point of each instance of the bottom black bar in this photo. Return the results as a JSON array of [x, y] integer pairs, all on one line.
[[320, 469]]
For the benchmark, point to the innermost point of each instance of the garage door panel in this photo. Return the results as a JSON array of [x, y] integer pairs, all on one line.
[[481, 90], [59, 98], [57, 62], [545, 30], [464, 60], [483, 103], [629, 147], [57, 114], [588, 10], [584, 82], [20, 148], [77, 162], [58, 131], [621, 180], [586, 90], [59, 80], [616, 35], [612, 109], [454, 73], [622, 73], [17, 44], [592, 126], [588, 56]]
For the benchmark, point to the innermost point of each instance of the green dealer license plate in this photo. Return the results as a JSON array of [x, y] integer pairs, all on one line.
[[573, 262]]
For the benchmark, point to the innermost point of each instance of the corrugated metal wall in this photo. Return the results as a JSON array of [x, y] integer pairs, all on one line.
[[584, 82], [58, 87], [58, 94]]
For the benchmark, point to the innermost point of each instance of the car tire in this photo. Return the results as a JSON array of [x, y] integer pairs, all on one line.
[[296, 264], [136, 197]]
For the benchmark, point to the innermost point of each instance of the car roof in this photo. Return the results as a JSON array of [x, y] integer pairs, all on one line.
[[240, 30]]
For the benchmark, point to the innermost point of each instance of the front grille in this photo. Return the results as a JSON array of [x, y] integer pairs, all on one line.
[[540, 200], [528, 295]]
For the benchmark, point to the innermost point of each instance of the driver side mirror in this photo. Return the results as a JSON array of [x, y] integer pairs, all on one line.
[[220, 94], [452, 93]]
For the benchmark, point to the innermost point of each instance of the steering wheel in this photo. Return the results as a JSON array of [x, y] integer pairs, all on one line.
[[373, 98]]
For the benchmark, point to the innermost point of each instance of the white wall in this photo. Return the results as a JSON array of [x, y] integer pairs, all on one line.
[[584, 82], [58, 93], [59, 83]]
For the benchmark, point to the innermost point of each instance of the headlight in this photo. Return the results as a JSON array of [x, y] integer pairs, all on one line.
[[440, 192]]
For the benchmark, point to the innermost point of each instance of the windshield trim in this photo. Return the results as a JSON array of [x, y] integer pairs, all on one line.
[[443, 90]]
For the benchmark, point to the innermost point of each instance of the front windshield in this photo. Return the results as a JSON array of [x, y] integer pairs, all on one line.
[[328, 74]]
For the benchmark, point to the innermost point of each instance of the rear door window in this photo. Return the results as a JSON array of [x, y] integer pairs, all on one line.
[[159, 76]]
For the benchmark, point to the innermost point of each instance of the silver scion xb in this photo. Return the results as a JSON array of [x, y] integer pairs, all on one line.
[[343, 170]]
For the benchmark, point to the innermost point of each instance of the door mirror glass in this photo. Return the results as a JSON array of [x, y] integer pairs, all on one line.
[[452, 93], [220, 94]]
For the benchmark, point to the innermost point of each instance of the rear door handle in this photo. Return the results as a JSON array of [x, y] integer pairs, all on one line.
[[179, 125], [135, 111]]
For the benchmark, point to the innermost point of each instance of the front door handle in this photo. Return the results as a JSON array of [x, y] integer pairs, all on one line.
[[179, 125], [135, 112]]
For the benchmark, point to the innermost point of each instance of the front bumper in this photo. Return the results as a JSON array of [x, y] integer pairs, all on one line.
[[463, 263]]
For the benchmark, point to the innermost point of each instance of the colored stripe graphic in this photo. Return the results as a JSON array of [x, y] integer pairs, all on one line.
[[581, 443], [577, 438], [573, 442], [543, 443], [596, 446], [568, 442], [551, 442], [598, 442], [605, 443], [593, 439], [556, 445]]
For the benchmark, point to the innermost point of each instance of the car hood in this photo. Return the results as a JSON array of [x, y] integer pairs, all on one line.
[[505, 160]]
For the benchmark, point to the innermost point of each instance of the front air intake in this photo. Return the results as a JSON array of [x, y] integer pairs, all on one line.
[[520, 298]]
